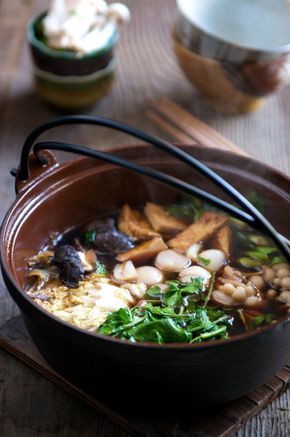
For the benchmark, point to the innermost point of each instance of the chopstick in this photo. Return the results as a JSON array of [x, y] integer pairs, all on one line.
[[166, 113]]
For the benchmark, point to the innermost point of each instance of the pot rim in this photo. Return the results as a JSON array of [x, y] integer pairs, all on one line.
[[115, 340]]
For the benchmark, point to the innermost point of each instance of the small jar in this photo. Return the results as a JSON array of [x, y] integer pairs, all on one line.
[[66, 79]]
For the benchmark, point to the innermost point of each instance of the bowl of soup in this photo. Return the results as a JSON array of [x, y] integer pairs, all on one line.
[[135, 282], [234, 53]]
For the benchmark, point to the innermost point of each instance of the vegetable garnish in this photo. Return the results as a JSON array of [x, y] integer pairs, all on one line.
[[101, 268], [164, 325]]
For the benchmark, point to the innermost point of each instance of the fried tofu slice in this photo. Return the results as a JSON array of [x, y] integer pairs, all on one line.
[[143, 251], [161, 221], [222, 240], [202, 229], [134, 224]]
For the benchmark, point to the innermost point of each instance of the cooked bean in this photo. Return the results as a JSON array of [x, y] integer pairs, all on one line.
[[285, 283], [149, 275], [239, 294], [269, 274], [258, 281], [252, 301], [271, 293], [284, 297], [222, 298], [171, 261], [192, 252], [228, 288], [283, 273], [276, 267], [125, 272], [212, 259], [250, 289], [277, 282], [192, 272]]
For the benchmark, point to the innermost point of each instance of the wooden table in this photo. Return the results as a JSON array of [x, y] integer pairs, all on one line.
[[31, 406]]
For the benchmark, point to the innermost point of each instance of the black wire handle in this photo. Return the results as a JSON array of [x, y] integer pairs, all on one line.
[[258, 219]]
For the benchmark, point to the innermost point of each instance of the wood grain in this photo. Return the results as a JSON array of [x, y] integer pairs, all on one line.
[[30, 405]]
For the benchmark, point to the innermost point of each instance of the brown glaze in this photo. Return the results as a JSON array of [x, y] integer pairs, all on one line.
[[215, 371]]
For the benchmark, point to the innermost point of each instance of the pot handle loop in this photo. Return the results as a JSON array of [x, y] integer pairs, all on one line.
[[258, 219], [48, 164]]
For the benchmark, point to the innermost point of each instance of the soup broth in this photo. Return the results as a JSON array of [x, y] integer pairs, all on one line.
[[176, 273]]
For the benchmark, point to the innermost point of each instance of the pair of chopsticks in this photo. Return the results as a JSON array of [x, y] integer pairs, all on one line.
[[249, 214], [186, 128]]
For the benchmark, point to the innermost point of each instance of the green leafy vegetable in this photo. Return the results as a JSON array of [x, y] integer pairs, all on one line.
[[89, 237], [257, 201], [277, 260], [163, 324], [178, 292], [190, 208], [101, 268], [204, 261]]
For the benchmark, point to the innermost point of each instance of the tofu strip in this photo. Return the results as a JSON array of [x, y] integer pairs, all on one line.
[[204, 228]]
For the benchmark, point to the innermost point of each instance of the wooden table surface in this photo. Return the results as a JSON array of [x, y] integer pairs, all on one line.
[[31, 406]]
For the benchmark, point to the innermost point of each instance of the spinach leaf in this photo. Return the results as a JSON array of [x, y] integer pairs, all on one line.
[[90, 237], [101, 268], [177, 291], [164, 330]]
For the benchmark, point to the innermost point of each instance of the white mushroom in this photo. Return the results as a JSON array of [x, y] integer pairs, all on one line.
[[193, 251], [187, 275], [212, 259], [149, 275], [171, 261], [125, 272], [119, 13], [137, 290]]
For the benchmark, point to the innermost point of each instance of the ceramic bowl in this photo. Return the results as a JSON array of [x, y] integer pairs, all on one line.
[[146, 374], [242, 46], [65, 79]]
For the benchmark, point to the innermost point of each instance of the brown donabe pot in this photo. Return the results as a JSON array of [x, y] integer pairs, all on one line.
[[58, 197]]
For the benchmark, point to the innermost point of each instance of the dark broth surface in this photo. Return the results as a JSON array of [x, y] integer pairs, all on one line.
[[100, 275]]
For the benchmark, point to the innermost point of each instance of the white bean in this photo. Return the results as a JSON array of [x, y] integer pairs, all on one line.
[[192, 272], [171, 261], [125, 272], [192, 252], [212, 259], [149, 275]]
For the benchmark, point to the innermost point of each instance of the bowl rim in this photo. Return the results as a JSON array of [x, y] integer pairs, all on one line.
[[126, 343], [65, 54], [282, 49]]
